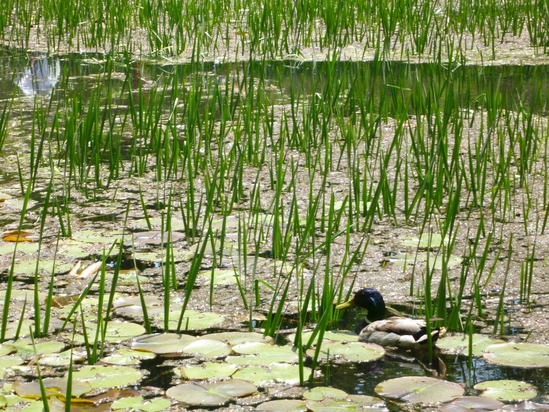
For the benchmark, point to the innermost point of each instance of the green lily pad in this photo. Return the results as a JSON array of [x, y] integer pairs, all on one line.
[[435, 262], [103, 377], [333, 405], [207, 370], [210, 394], [61, 359], [29, 267], [156, 237], [426, 240], [26, 248], [419, 389], [207, 348], [127, 277], [11, 329], [520, 355], [277, 372], [507, 390], [471, 403], [128, 301], [138, 403], [335, 335], [73, 249], [283, 405], [220, 276], [321, 392], [6, 348], [236, 338], [117, 331], [7, 362], [192, 320], [18, 403], [127, 357], [95, 236], [260, 353], [349, 351], [25, 347], [459, 343], [162, 342], [158, 222]]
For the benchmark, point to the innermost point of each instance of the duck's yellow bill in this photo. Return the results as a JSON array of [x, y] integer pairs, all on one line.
[[345, 305]]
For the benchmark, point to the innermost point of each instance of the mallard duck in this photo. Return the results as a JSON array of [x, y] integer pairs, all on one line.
[[387, 330]]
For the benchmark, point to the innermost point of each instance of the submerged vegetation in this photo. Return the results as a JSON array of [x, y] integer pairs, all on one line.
[[218, 169]]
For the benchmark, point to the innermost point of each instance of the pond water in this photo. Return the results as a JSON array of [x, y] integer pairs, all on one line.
[[114, 144], [471, 86]]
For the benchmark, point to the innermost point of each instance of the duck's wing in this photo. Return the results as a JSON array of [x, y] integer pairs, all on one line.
[[400, 326]]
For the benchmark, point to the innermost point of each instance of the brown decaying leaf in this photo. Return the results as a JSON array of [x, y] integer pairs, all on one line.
[[18, 236], [90, 270]]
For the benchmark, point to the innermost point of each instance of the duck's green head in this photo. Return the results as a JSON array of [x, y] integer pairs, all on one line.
[[369, 299]]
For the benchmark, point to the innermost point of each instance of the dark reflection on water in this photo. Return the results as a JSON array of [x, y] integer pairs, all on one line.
[[360, 378], [391, 87]]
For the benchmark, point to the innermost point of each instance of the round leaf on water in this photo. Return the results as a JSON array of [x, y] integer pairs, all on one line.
[[507, 390], [73, 249], [29, 267], [326, 398], [459, 343], [191, 320], [419, 389], [117, 331], [162, 342], [196, 395], [6, 349], [157, 222], [435, 261], [231, 223], [367, 400], [284, 405], [7, 362], [138, 403], [520, 355], [207, 348], [214, 394], [279, 372], [127, 357], [260, 353], [426, 240], [220, 276], [336, 335], [232, 387], [157, 237], [13, 328], [125, 301], [335, 405], [108, 376], [61, 359], [53, 386], [27, 248], [236, 338], [95, 236], [349, 352], [207, 370], [25, 347], [529, 406], [321, 392], [468, 403]]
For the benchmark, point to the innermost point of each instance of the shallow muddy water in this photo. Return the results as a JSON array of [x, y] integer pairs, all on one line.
[[270, 180]]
